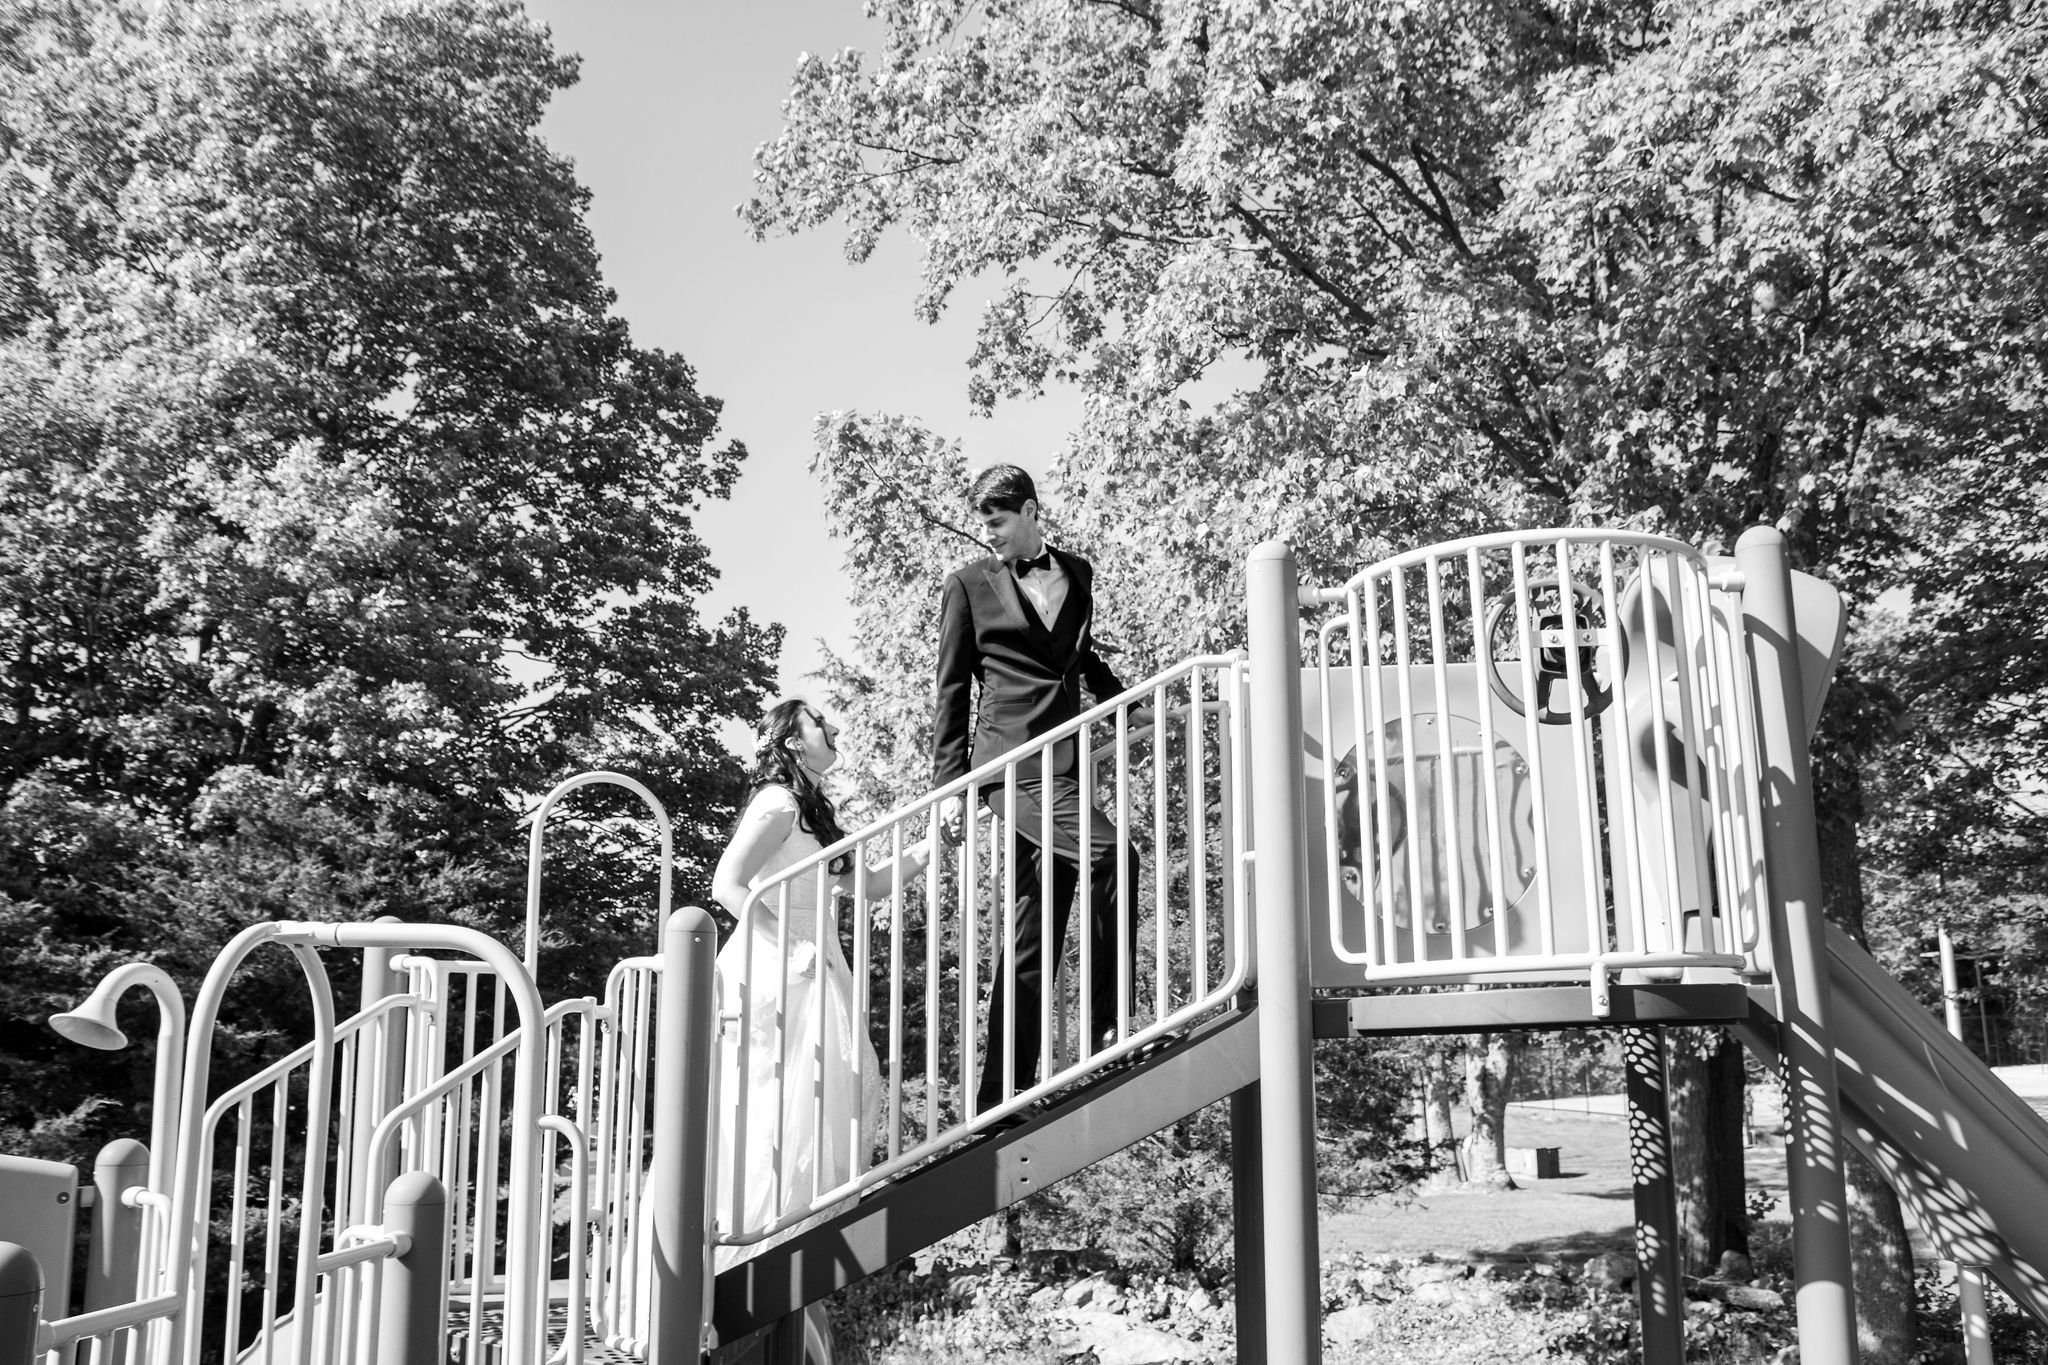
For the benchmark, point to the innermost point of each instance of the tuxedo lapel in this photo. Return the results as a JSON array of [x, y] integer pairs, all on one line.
[[1003, 584]]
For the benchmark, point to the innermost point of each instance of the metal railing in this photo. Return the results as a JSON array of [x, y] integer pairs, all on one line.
[[1529, 754], [1537, 757], [1153, 776]]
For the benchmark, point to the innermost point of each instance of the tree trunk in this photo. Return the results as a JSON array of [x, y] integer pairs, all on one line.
[[1489, 1066], [1704, 1068], [1440, 1084], [1881, 1258]]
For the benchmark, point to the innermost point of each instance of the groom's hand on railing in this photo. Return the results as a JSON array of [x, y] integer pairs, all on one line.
[[1141, 722]]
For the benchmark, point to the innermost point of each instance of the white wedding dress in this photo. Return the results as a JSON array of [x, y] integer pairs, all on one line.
[[804, 1044]]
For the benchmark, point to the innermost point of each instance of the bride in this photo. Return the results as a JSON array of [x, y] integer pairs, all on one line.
[[771, 1167]]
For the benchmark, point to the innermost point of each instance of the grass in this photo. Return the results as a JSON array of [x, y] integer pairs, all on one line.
[[1589, 1208]]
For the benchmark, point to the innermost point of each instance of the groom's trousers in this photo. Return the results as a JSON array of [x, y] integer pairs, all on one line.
[[1110, 860]]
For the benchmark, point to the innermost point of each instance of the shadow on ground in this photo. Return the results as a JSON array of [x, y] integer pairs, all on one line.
[[1575, 1244]]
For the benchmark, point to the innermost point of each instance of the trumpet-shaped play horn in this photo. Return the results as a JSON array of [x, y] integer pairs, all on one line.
[[92, 1023]]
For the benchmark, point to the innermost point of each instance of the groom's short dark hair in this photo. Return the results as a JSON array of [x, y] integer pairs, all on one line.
[[1001, 488]]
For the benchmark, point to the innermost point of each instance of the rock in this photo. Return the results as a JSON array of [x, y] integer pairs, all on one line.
[[1434, 1293], [1433, 1272], [1200, 1300], [1114, 1341], [1044, 1297], [1751, 1299], [1082, 1293], [1611, 1270], [1735, 1266], [1360, 1322], [1748, 1298]]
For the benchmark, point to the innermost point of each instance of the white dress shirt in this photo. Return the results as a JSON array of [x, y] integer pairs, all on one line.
[[1045, 589]]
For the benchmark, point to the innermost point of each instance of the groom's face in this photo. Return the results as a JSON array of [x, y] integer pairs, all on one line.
[[1012, 535]]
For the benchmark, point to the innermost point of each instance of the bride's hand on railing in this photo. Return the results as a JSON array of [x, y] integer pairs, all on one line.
[[885, 873], [952, 816]]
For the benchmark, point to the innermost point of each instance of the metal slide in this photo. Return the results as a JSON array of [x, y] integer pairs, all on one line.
[[1968, 1157]]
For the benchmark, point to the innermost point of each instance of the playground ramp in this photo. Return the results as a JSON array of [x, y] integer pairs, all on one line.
[[1968, 1157]]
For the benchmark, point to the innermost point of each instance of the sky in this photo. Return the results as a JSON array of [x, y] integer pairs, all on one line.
[[674, 97]]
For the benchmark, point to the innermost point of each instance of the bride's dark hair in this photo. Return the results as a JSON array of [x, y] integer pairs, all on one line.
[[776, 765]]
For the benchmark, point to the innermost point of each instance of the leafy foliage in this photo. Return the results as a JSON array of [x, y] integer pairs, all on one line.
[[339, 515]]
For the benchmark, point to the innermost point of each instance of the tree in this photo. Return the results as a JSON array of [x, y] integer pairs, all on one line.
[[314, 419], [1680, 268]]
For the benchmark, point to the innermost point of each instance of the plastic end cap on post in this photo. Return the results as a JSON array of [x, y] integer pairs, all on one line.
[[1759, 535], [19, 1273]]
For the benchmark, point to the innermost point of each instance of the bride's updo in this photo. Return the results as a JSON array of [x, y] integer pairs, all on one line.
[[777, 765]]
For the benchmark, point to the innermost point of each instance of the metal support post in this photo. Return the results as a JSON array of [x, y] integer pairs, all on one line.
[[114, 1259], [1814, 1171], [1660, 1292], [1248, 1230], [380, 1073], [676, 1195], [1969, 1278], [413, 1321], [21, 1304], [1293, 1301]]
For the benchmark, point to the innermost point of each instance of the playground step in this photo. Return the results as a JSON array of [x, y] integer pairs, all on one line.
[[986, 1175]]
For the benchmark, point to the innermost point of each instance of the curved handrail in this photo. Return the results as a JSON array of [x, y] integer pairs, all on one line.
[[530, 958], [1210, 778], [1493, 540]]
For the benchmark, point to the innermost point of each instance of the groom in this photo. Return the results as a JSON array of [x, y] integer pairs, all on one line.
[[1017, 625]]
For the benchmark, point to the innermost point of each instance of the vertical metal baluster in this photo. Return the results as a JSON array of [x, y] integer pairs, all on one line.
[[1372, 746], [1404, 662], [1581, 736], [1161, 834], [933, 970], [1447, 765], [1084, 892], [1660, 727], [1362, 739], [238, 1228], [1007, 1030], [863, 896], [1532, 738], [1124, 890], [818, 1075], [1489, 771], [1198, 830], [273, 1241], [1690, 713], [969, 865], [1622, 805], [896, 966], [784, 1061], [1333, 867], [859, 1014], [1050, 949]]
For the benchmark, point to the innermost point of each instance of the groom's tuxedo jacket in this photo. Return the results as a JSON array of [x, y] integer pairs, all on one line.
[[1030, 676]]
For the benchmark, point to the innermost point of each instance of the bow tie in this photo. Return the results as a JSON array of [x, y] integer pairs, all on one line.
[[1042, 564]]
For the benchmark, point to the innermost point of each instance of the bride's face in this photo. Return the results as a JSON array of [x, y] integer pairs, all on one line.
[[819, 740]]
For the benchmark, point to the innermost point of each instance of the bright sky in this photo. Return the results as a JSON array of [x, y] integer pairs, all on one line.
[[674, 99]]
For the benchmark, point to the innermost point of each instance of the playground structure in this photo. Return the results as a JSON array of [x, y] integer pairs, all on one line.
[[1564, 768]]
